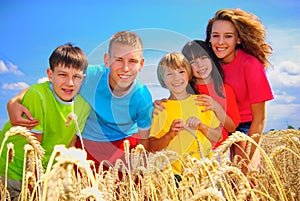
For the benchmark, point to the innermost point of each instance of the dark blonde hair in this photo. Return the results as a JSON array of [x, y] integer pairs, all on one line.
[[126, 38], [198, 48], [173, 60], [249, 28], [68, 56]]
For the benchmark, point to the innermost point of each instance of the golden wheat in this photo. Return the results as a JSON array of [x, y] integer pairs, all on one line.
[[149, 176]]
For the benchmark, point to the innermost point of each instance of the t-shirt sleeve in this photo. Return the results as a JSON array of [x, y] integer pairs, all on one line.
[[33, 101], [258, 86], [158, 124], [82, 110], [90, 82], [145, 110]]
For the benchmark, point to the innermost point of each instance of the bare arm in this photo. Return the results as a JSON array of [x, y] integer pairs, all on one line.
[[15, 111], [157, 144], [39, 137], [213, 134], [211, 104], [144, 138], [258, 122], [158, 106], [73, 142]]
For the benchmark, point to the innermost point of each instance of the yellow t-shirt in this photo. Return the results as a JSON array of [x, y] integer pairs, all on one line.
[[184, 142]]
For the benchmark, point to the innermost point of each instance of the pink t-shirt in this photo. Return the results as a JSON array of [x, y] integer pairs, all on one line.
[[247, 76]]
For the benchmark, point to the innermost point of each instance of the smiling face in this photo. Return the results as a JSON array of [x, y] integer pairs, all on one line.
[[125, 62], [66, 82], [202, 68], [176, 81], [224, 39]]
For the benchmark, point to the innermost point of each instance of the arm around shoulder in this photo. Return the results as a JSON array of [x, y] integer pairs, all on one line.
[[15, 111]]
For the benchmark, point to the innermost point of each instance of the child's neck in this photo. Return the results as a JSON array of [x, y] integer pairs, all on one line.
[[204, 81], [179, 96]]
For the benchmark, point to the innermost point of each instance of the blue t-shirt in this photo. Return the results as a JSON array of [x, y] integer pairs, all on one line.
[[111, 117]]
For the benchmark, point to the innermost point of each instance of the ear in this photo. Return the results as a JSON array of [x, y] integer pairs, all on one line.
[[141, 64], [106, 60], [50, 74], [239, 41]]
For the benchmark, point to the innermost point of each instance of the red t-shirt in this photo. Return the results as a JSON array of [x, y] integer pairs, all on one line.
[[247, 76], [228, 103]]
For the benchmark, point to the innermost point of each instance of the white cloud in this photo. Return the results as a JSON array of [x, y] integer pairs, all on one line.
[[43, 79], [15, 86], [290, 67], [286, 73], [282, 96], [9, 68], [3, 68], [283, 114], [14, 69], [285, 57], [283, 38]]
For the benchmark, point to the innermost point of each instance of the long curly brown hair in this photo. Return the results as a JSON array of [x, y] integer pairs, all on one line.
[[249, 28]]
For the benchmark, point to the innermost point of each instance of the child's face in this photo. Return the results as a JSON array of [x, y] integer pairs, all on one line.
[[125, 62], [201, 69], [224, 38], [177, 81], [66, 82]]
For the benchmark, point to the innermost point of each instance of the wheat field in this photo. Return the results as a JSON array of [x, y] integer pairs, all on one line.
[[149, 176]]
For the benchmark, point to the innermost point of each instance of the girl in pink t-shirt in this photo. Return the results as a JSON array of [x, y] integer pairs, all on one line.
[[238, 40]]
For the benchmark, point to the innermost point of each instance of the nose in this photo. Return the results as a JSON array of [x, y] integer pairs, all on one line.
[[177, 76], [70, 80], [220, 40], [125, 66]]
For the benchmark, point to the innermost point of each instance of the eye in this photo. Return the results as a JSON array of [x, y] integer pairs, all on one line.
[[134, 61], [228, 36], [78, 77], [62, 74], [182, 71]]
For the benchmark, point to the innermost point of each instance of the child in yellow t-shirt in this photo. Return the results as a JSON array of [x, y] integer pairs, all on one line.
[[170, 129]]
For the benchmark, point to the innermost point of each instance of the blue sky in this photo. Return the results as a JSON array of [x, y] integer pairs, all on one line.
[[31, 30]]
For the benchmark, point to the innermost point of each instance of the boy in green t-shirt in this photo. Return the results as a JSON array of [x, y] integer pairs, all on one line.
[[50, 103]]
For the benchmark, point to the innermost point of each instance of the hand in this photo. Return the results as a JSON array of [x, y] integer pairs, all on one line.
[[15, 112], [209, 102], [176, 127], [193, 123], [158, 106]]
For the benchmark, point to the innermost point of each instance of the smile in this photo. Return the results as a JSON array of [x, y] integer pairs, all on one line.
[[124, 76]]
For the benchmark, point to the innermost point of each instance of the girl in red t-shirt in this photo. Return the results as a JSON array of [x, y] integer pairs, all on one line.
[[208, 83]]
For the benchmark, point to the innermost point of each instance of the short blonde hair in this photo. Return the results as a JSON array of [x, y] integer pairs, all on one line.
[[173, 60], [126, 38]]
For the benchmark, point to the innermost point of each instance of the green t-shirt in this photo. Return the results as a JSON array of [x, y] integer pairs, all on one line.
[[52, 114]]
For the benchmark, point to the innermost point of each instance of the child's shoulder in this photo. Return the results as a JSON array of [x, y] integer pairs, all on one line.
[[41, 87], [40, 91]]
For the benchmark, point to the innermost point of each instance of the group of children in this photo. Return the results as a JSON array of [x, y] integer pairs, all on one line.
[[217, 87]]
